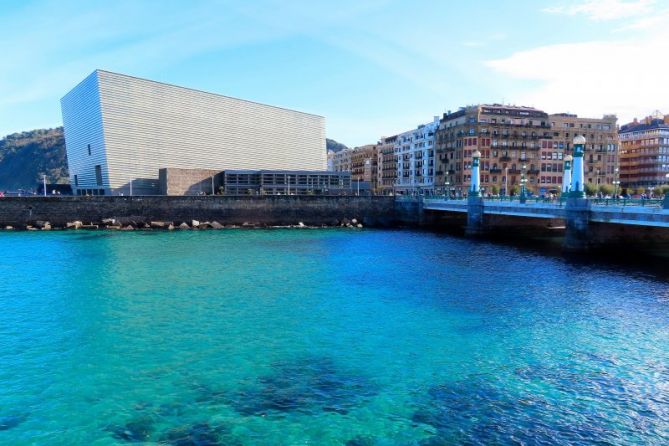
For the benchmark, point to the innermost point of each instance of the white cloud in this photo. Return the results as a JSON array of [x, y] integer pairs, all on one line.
[[624, 77], [603, 10]]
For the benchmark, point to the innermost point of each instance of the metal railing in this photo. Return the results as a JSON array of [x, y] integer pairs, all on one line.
[[643, 202]]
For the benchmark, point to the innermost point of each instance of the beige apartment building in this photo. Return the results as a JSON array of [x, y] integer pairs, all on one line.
[[601, 149], [364, 165], [386, 165], [509, 139]]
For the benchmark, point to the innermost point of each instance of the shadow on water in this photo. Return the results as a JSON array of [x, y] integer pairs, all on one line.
[[644, 262]]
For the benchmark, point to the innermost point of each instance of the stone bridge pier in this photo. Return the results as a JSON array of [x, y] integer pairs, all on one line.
[[577, 235]]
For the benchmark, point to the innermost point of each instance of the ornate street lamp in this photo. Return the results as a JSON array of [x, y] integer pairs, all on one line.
[[446, 184]]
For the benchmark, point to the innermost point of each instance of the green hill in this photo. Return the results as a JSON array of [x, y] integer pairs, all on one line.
[[26, 156]]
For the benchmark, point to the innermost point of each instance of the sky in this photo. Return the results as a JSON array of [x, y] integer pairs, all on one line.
[[372, 67]]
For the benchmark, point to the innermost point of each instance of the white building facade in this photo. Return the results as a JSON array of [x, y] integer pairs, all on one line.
[[415, 151], [120, 130]]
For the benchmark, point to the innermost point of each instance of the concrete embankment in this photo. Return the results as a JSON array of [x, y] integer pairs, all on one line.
[[20, 212]]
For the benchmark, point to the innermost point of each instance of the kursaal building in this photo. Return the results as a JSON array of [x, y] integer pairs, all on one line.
[[120, 130]]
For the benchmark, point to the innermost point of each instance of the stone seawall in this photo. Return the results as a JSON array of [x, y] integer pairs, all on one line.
[[227, 210]]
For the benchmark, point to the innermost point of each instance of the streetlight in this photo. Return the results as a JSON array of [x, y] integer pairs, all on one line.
[[616, 182], [446, 184], [506, 180], [523, 180]]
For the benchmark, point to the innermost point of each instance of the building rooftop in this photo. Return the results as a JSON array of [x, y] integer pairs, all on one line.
[[642, 126]]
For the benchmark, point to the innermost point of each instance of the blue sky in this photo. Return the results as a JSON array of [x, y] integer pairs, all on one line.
[[371, 67]]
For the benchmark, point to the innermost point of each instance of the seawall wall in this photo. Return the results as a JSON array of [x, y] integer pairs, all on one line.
[[227, 210]]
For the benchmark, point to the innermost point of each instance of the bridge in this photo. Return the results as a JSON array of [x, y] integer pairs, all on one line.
[[577, 214], [627, 212]]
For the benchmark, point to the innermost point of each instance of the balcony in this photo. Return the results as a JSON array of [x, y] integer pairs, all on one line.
[[505, 158], [495, 170], [533, 171]]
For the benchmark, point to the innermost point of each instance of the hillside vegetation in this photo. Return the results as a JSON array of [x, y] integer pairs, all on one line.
[[26, 156], [334, 146]]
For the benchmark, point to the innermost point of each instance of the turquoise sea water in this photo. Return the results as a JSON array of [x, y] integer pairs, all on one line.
[[323, 337]]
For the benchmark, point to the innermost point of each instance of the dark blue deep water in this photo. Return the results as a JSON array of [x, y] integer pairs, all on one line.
[[324, 337]]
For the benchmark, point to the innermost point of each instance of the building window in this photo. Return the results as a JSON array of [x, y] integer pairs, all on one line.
[[76, 180], [98, 175], [89, 150]]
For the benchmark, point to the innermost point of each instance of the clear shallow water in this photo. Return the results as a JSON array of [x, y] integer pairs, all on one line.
[[322, 337]]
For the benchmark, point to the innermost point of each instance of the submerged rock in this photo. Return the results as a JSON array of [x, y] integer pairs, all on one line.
[[309, 385], [361, 441], [135, 430], [11, 421], [199, 434], [477, 411]]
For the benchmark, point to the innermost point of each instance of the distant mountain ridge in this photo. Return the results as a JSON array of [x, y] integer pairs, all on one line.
[[26, 156]]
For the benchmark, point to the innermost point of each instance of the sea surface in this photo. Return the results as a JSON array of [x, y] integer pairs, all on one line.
[[324, 337]]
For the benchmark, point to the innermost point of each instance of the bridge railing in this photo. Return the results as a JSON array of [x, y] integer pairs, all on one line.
[[561, 201], [644, 202]]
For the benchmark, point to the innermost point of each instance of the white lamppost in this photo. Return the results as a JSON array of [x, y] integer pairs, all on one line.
[[566, 176], [44, 184]]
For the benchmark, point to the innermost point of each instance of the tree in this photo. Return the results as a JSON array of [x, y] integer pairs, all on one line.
[[661, 190], [515, 189], [607, 189], [494, 190], [590, 189], [640, 190]]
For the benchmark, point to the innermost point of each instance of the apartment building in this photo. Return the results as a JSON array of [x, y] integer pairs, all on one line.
[[364, 165], [510, 139], [340, 161], [386, 165], [644, 152], [415, 153], [601, 148]]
